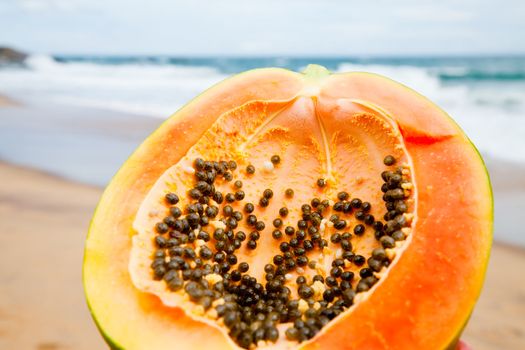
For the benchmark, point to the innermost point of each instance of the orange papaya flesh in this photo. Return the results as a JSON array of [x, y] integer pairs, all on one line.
[[335, 127]]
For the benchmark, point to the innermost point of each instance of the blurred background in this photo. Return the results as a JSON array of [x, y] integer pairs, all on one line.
[[82, 83]]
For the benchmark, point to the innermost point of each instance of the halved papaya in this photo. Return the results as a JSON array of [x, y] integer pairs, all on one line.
[[283, 210]]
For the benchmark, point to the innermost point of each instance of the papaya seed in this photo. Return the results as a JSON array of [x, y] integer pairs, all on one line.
[[389, 160]]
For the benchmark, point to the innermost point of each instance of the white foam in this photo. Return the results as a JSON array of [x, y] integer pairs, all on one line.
[[42, 62], [152, 90], [492, 114]]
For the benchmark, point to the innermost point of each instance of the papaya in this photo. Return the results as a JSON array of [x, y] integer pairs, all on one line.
[[293, 210]]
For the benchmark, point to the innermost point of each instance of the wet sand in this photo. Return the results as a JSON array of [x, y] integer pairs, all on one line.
[[7, 102], [43, 224]]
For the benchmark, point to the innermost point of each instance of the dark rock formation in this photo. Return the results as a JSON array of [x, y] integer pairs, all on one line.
[[11, 56]]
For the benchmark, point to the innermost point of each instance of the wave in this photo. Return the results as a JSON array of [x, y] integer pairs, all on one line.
[[42, 62], [493, 115], [487, 98], [152, 90], [477, 75]]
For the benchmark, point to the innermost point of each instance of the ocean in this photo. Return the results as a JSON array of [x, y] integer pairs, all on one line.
[[82, 116], [485, 95]]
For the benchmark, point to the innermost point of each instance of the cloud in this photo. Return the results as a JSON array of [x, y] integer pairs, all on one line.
[[270, 27], [53, 5], [433, 14]]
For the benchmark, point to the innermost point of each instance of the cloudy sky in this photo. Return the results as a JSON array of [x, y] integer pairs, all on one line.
[[259, 27]]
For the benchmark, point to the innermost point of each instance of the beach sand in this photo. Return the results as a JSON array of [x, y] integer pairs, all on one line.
[[43, 224], [7, 102]]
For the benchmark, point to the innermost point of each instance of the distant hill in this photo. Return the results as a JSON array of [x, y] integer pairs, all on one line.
[[11, 56]]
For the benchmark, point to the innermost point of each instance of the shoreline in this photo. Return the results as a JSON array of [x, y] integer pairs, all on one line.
[[61, 211], [131, 129], [86, 145]]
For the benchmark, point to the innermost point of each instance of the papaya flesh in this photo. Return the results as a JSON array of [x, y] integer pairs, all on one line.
[[384, 242]]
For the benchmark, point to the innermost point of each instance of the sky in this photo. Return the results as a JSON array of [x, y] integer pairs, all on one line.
[[265, 28]]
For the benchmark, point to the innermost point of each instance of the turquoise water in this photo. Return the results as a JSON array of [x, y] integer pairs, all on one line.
[[458, 69]]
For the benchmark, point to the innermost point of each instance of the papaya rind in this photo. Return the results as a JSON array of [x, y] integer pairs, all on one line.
[[114, 344]]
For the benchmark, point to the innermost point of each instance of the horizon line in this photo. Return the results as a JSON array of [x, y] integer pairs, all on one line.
[[333, 55]]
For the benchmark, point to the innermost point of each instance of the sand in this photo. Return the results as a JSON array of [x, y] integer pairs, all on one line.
[[43, 223], [7, 102]]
